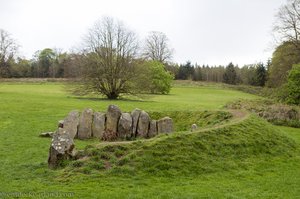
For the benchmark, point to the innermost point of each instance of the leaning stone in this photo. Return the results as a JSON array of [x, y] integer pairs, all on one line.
[[46, 134], [135, 114], [60, 124], [98, 126], [85, 124], [71, 123], [152, 129], [143, 124], [165, 125], [125, 126], [194, 127], [112, 118], [61, 149]]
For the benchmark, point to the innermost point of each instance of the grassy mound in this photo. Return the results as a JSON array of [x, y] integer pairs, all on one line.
[[183, 120], [232, 147]]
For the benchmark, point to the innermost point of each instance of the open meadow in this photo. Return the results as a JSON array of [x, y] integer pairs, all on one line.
[[242, 157]]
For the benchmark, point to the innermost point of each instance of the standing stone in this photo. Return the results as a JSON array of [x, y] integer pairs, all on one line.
[[152, 129], [71, 123], [125, 126], [194, 127], [98, 126], [61, 148], [85, 124], [135, 114], [143, 124], [165, 125], [112, 118]]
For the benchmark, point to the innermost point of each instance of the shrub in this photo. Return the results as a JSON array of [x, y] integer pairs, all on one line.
[[154, 78], [293, 86]]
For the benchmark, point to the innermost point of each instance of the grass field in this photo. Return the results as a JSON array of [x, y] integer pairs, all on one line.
[[246, 158]]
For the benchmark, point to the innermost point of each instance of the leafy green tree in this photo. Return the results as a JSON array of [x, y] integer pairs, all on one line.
[[21, 68], [230, 76], [284, 57], [293, 85], [45, 62], [152, 77], [160, 78], [247, 74]]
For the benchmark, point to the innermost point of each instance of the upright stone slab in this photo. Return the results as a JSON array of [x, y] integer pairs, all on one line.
[[61, 148], [125, 126], [98, 126], [135, 114], [152, 129], [165, 125], [143, 125], [70, 124], [112, 118], [85, 124]]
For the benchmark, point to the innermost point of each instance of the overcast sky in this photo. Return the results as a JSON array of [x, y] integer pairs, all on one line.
[[204, 31]]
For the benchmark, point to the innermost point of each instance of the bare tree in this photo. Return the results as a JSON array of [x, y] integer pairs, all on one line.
[[110, 49], [287, 25], [8, 49], [157, 47]]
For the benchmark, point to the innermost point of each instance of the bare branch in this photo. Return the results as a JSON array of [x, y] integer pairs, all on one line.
[[157, 47], [8, 50], [287, 26], [111, 49]]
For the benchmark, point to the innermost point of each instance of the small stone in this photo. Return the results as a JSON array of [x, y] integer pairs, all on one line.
[[194, 127]]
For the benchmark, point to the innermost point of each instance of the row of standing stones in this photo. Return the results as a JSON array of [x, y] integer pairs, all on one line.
[[109, 126]]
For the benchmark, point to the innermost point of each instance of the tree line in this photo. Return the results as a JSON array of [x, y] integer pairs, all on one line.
[[53, 63], [252, 74], [112, 61]]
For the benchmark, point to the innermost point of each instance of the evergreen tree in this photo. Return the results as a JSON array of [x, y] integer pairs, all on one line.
[[185, 71], [230, 76], [260, 75]]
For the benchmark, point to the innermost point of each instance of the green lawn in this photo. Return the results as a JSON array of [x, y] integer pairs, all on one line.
[[30, 108]]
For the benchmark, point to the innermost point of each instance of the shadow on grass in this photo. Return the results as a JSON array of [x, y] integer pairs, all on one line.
[[116, 100]]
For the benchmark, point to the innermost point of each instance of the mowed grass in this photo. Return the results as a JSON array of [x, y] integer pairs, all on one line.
[[30, 108]]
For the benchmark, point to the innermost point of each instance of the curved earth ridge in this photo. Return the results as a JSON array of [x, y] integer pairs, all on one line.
[[238, 116]]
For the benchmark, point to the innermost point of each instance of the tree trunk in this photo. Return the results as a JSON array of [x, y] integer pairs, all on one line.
[[112, 95]]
